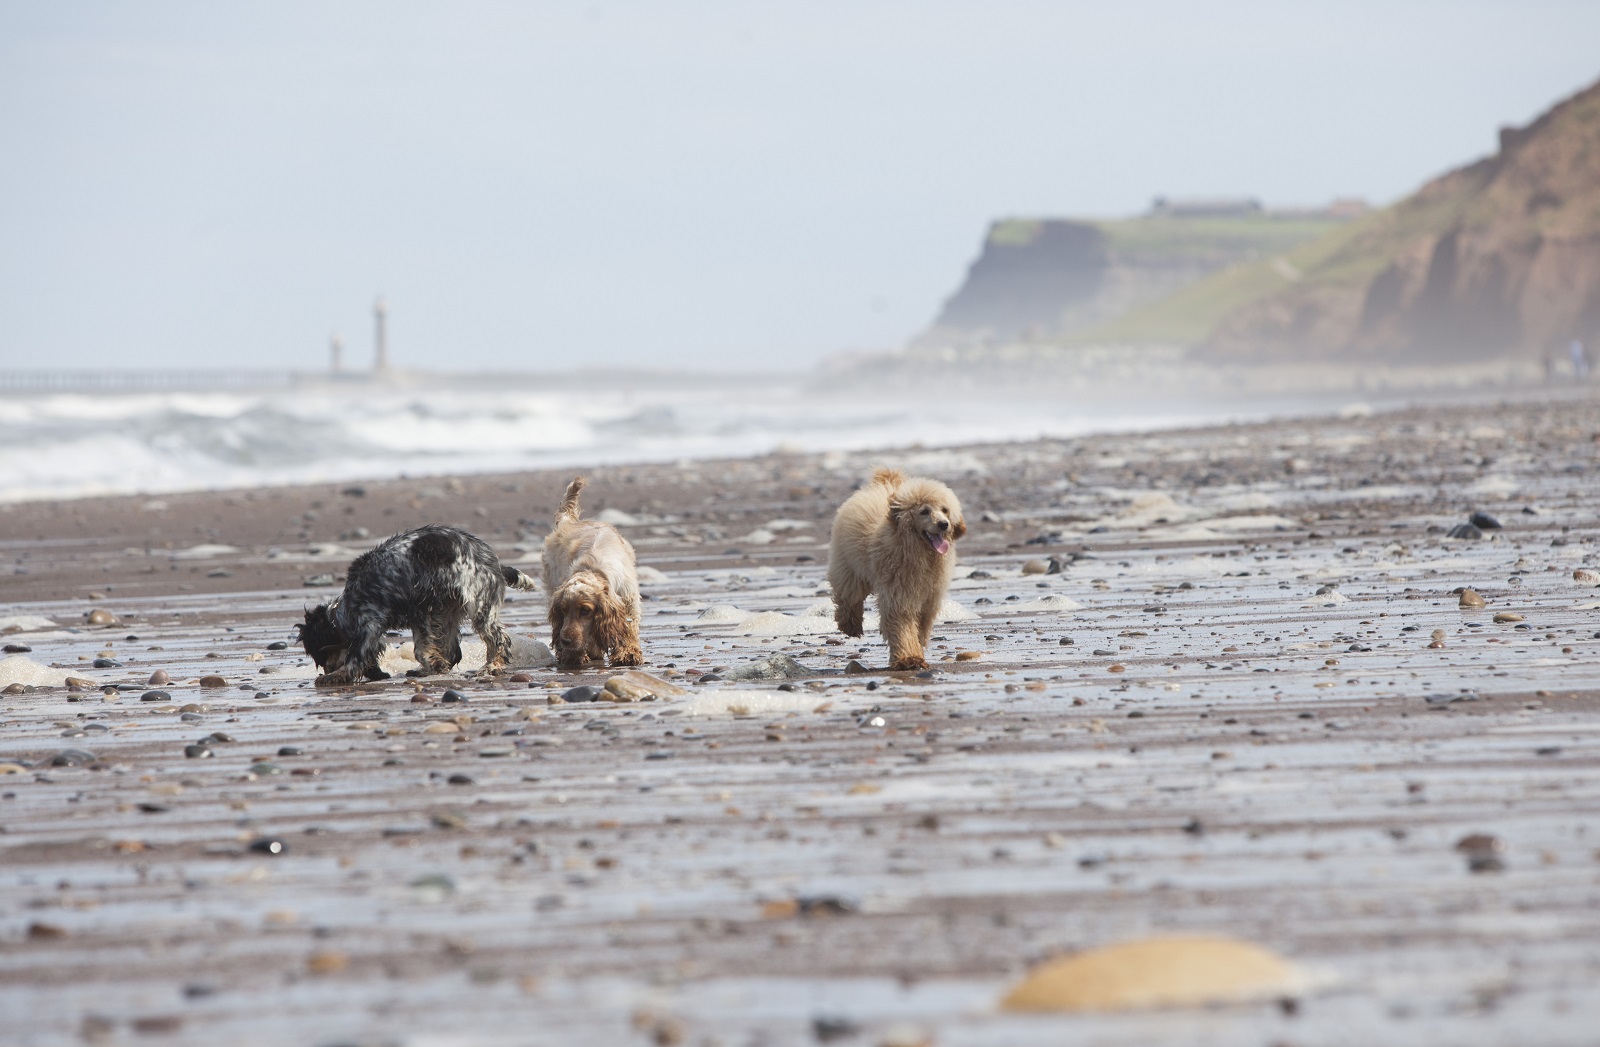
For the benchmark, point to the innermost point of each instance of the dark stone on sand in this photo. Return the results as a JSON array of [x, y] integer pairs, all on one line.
[[73, 758], [1446, 699], [776, 667], [277, 645], [1484, 853], [318, 580], [827, 1028], [1466, 532], [583, 693], [198, 752], [268, 845], [1483, 521], [159, 678], [452, 695], [106, 663], [288, 750], [264, 769], [18, 648], [827, 905], [460, 779], [708, 678], [854, 667], [659, 754], [354, 491], [213, 681]]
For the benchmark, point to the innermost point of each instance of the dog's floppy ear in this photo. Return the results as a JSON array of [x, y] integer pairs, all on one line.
[[958, 529], [895, 509], [610, 621]]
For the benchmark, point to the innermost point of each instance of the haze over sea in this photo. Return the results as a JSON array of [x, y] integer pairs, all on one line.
[[76, 444]]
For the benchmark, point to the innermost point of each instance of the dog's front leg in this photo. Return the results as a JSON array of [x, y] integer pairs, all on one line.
[[902, 632]]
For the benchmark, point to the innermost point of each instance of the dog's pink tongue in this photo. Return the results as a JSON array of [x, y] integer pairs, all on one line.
[[939, 544]]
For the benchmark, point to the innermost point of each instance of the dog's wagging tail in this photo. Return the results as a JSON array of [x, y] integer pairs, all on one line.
[[426, 580]]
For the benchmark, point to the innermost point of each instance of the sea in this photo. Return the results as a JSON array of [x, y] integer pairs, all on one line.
[[74, 443]]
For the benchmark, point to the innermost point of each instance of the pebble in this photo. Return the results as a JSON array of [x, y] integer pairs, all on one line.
[[968, 656], [452, 695], [158, 678], [265, 769], [73, 758], [583, 693], [15, 688], [17, 648], [277, 645], [79, 683], [11, 768], [213, 681], [854, 667], [1465, 531], [155, 696], [1472, 599], [327, 962], [1483, 521], [1507, 616], [100, 616], [442, 728], [1036, 567], [268, 845], [289, 750], [1483, 852], [198, 752], [460, 779], [644, 685]]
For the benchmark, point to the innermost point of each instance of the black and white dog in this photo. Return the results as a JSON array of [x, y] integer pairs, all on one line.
[[426, 580]]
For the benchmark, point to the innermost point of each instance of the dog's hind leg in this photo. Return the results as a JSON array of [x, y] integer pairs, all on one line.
[[434, 644], [497, 645], [363, 651]]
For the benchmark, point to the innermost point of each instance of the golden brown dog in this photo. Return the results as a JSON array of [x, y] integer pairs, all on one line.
[[590, 575], [893, 537]]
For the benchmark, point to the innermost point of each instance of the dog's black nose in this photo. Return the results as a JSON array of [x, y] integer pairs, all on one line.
[[944, 525]]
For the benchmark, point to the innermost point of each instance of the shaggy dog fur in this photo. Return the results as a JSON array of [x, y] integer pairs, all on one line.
[[893, 537], [426, 580], [593, 584]]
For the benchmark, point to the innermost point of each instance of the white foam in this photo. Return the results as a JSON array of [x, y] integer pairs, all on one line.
[[748, 703], [203, 552], [1053, 602], [26, 623], [776, 623], [617, 518], [21, 669], [526, 653], [644, 573], [760, 536], [721, 614]]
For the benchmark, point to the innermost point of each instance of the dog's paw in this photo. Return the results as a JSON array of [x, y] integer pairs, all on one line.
[[632, 657], [910, 663], [334, 679]]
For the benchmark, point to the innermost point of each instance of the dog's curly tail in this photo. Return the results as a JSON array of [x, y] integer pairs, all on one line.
[[568, 509], [516, 579], [888, 477]]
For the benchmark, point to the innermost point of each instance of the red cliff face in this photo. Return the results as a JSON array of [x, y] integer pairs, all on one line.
[[1498, 258]]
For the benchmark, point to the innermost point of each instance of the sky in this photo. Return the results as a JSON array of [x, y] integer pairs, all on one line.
[[640, 185]]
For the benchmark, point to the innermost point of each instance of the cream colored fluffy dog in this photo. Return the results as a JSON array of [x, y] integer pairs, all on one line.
[[893, 537], [593, 583]]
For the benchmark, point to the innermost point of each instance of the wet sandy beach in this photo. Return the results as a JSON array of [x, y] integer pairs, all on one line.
[[1212, 681]]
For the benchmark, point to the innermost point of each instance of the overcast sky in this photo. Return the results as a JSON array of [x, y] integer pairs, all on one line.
[[706, 184]]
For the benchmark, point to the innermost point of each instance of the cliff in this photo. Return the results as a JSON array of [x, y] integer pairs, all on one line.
[[1498, 258], [1062, 280]]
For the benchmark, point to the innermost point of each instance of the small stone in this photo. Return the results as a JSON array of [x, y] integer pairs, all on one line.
[[1471, 599], [40, 931], [1484, 853], [213, 681], [854, 667], [1483, 521], [460, 779], [100, 616], [651, 686], [583, 693], [327, 962], [73, 758], [1116, 667], [197, 752], [1036, 567], [452, 695], [1465, 532], [289, 750], [155, 696], [264, 769], [442, 728], [268, 845], [79, 683], [968, 656], [12, 768], [159, 678], [277, 645], [17, 648], [1506, 617]]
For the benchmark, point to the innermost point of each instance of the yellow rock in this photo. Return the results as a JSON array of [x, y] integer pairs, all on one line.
[[442, 728], [12, 768], [635, 686], [1472, 599], [1507, 616], [1157, 972]]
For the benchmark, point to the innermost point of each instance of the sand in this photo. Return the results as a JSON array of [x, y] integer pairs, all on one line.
[[1220, 711]]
